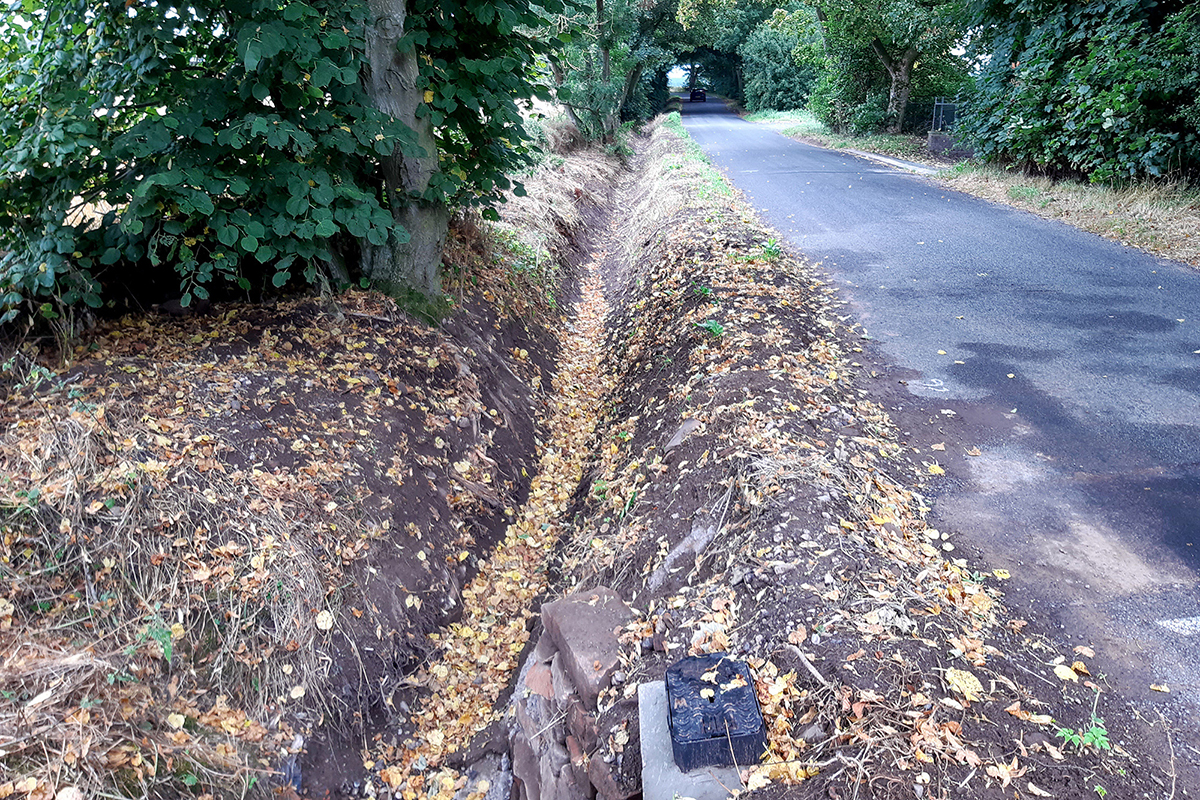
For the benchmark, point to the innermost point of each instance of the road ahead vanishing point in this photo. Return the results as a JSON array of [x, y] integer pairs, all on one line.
[[1073, 361]]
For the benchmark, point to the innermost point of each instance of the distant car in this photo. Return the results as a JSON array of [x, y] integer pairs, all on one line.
[[698, 96]]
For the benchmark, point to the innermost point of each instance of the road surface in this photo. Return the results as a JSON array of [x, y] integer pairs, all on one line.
[[1071, 362]]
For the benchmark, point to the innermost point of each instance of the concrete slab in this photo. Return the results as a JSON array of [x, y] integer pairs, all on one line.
[[661, 779]]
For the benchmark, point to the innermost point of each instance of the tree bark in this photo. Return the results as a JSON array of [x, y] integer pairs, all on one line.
[[560, 80], [631, 82], [393, 88], [900, 72], [605, 45]]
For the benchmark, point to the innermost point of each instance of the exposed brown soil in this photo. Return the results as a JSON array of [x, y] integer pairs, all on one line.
[[394, 446]]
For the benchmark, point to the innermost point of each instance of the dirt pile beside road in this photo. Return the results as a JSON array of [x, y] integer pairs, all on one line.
[[747, 496]]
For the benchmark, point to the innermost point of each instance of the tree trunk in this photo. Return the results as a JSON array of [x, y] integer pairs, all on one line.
[[393, 89], [631, 82], [900, 72], [605, 44], [560, 80]]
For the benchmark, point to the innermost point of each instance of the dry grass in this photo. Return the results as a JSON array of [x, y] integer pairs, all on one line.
[[1162, 218], [516, 262], [681, 177], [157, 618]]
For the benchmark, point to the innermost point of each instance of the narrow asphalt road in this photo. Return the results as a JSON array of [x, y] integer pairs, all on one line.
[[1070, 361]]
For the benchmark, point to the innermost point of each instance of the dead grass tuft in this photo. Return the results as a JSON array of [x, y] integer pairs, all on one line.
[[1162, 218], [158, 616], [562, 136], [516, 262]]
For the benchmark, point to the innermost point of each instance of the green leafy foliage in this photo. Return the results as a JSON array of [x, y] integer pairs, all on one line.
[[780, 63], [211, 146], [877, 55], [615, 64], [480, 59], [1107, 90]]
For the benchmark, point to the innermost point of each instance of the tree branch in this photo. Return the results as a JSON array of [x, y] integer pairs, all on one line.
[[883, 56]]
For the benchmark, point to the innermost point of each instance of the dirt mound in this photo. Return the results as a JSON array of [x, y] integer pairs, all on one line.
[[748, 497], [248, 509]]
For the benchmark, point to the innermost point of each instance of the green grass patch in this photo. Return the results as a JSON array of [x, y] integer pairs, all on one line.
[[709, 183], [807, 126], [796, 116], [912, 148]]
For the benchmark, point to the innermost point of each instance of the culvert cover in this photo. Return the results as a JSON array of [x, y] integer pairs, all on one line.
[[713, 713]]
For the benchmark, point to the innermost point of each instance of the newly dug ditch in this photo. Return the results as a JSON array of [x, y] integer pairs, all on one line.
[[323, 549], [230, 538], [741, 494]]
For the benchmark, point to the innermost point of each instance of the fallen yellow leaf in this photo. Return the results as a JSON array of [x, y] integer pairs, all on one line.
[[1065, 673], [934, 469], [965, 683]]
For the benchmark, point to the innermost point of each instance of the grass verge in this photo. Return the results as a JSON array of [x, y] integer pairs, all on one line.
[[800, 124], [1161, 218]]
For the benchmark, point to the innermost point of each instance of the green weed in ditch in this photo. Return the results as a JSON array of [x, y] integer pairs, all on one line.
[[1095, 736], [716, 329]]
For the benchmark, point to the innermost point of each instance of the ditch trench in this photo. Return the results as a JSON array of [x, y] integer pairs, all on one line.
[[706, 474], [481, 639]]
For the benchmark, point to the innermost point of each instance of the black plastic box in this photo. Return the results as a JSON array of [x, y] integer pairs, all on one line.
[[714, 722]]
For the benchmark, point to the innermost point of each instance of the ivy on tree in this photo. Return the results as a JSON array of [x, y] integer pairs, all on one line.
[[1110, 91], [250, 143]]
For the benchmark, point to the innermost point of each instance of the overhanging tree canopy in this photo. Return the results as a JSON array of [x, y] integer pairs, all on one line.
[[250, 142]]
